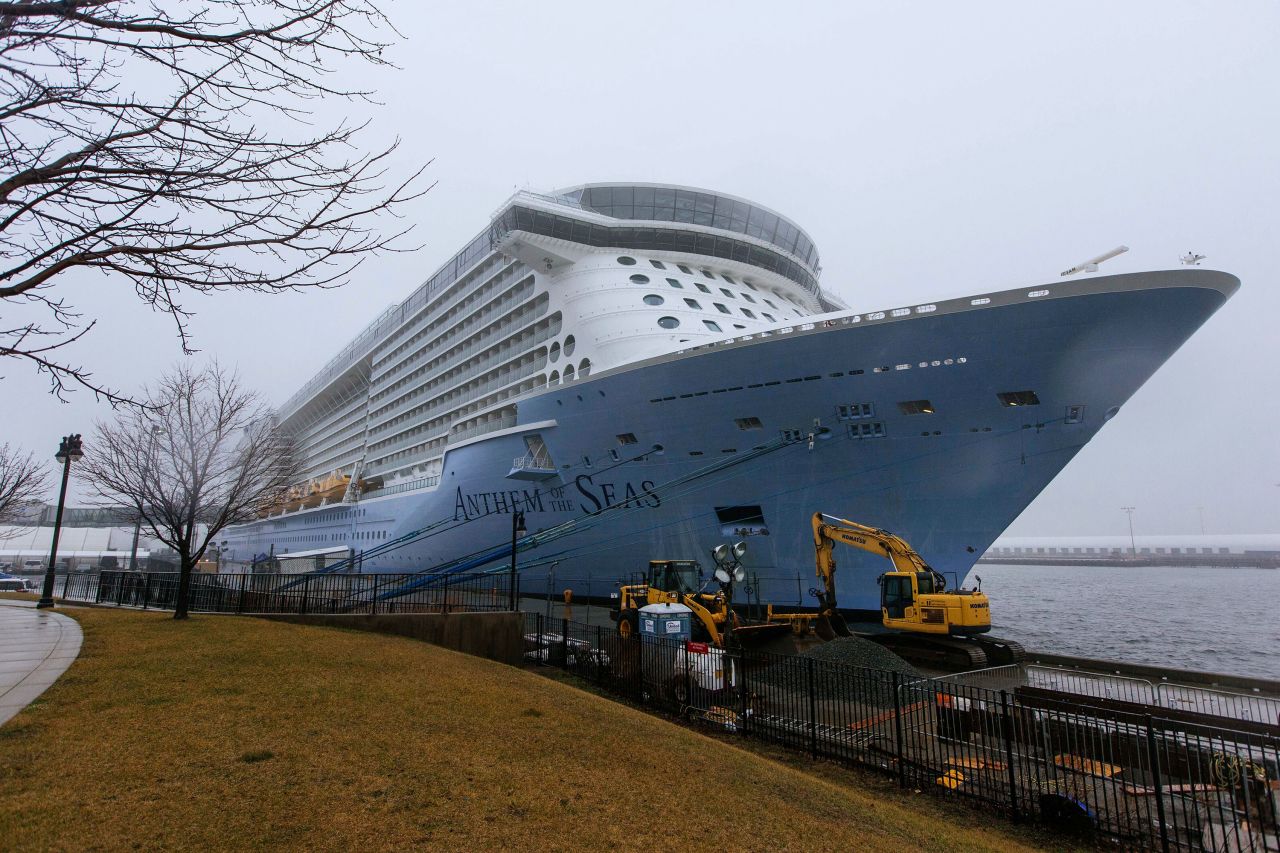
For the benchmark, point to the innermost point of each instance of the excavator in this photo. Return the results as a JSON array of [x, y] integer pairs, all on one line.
[[926, 623]]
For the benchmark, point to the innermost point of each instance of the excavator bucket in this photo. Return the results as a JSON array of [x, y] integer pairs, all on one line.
[[831, 625], [840, 626]]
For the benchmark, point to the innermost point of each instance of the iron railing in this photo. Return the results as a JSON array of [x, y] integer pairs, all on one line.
[[1124, 772], [297, 593]]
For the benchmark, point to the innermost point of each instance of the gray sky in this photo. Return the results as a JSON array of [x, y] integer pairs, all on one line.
[[931, 149]]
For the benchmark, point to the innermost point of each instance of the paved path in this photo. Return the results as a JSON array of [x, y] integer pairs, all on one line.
[[36, 646]]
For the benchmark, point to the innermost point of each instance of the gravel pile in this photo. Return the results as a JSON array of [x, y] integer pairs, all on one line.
[[791, 672], [855, 651]]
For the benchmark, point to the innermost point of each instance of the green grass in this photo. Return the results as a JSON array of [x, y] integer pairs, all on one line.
[[226, 732]]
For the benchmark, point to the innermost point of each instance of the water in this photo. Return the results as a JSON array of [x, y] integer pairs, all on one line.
[[1216, 620]]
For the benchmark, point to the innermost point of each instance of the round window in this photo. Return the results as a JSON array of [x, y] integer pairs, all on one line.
[[568, 373], [627, 262], [584, 368], [653, 299], [668, 322], [569, 344], [555, 377], [639, 279], [555, 351]]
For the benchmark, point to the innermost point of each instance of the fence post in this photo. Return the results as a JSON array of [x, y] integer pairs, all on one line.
[[1006, 726], [743, 692], [599, 652], [119, 589], [564, 641], [1153, 758], [66, 584], [306, 592], [688, 678], [639, 641], [813, 710], [146, 589], [897, 729], [97, 593], [244, 582]]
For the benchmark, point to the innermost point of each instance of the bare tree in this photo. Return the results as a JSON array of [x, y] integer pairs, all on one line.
[[166, 144], [202, 453], [22, 482]]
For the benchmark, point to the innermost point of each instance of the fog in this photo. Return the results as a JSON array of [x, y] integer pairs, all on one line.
[[931, 151]]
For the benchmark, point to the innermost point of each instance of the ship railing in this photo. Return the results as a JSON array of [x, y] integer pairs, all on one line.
[[382, 374], [486, 366], [397, 488], [533, 463]]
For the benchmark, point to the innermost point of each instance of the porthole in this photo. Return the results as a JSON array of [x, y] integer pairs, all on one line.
[[626, 261], [568, 373], [653, 299], [555, 351], [639, 278], [555, 377], [668, 322], [584, 368], [569, 344]]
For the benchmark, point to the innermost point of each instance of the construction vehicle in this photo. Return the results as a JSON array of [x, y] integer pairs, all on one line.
[[680, 582], [926, 623]]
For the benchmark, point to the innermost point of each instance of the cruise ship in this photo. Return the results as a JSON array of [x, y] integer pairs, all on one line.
[[644, 371]]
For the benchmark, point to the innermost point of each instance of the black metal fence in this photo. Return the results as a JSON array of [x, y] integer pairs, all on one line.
[[1137, 775], [306, 593]]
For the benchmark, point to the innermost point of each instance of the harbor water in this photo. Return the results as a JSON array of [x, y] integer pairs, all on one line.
[[1210, 619]]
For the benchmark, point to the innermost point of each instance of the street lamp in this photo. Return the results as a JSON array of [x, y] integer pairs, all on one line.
[[517, 530], [68, 451], [146, 474], [1133, 545]]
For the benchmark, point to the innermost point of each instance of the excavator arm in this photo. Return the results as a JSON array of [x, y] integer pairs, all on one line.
[[828, 530]]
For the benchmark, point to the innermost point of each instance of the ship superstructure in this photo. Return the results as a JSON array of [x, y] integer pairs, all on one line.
[[647, 370]]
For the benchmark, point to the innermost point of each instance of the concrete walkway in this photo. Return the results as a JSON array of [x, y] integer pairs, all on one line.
[[36, 646]]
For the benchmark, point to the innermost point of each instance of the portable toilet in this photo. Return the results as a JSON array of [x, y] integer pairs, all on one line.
[[666, 622]]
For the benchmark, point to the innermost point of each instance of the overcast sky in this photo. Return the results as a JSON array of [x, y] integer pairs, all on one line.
[[932, 150]]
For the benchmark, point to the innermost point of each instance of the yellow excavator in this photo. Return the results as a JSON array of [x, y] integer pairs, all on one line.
[[926, 622]]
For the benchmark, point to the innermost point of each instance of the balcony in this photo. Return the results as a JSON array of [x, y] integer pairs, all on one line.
[[538, 467]]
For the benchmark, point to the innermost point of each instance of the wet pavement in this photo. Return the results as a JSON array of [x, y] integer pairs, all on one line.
[[36, 647]]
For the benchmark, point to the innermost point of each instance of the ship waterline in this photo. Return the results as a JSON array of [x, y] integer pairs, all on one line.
[[646, 403]]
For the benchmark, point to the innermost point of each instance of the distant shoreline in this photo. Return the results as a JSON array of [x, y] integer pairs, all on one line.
[[1206, 561]]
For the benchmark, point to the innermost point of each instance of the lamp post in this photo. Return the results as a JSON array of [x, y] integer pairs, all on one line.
[[146, 474], [68, 451], [1133, 545], [517, 530]]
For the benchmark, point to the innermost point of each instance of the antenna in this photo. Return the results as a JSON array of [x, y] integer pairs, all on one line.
[[1091, 265]]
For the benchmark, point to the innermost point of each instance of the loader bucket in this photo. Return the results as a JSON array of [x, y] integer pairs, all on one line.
[[822, 627]]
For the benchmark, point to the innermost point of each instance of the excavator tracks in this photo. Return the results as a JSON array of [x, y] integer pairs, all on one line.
[[954, 654], [1001, 652]]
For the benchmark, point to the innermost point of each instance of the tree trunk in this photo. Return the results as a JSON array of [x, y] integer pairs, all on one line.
[[184, 586]]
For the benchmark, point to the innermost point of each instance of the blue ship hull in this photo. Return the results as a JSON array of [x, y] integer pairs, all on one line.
[[923, 446]]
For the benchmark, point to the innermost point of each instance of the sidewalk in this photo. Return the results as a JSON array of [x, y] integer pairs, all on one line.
[[36, 646]]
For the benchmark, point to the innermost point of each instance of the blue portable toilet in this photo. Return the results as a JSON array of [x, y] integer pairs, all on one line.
[[666, 622]]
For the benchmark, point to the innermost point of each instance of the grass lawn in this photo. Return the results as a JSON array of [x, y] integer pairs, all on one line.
[[225, 732]]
